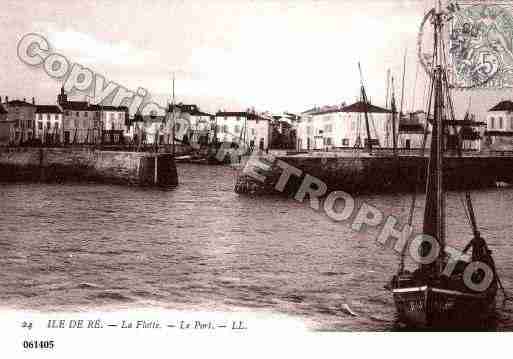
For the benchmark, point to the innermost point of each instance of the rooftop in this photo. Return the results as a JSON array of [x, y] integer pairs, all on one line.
[[48, 109], [361, 106], [77, 106], [249, 115], [19, 103], [503, 106], [192, 110], [107, 108]]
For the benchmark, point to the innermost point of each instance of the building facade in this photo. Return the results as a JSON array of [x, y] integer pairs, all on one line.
[[499, 127], [243, 127], [84, 123], [343, 127], [6, 127], [22, 113], [200, 124], [48, 127]]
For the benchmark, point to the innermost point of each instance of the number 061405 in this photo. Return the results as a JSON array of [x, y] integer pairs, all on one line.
[[38, 344]]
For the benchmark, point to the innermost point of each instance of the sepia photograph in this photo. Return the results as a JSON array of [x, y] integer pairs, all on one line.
[[256, 178]]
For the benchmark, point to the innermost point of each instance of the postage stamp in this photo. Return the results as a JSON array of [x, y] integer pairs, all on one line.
[[479, 45]]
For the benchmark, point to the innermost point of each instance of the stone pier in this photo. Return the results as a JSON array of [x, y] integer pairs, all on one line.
[[83, 164], [374, 174]]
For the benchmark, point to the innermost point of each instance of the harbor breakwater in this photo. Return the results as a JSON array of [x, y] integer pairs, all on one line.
[[84, 164], [375, 174]]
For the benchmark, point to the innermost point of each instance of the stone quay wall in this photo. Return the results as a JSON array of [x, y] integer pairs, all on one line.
[[83, 164], [369, 174]]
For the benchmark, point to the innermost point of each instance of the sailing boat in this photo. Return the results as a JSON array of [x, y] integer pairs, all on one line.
[[428, 297]]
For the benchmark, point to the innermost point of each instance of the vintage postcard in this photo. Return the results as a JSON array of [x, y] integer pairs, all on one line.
[[243, 178]]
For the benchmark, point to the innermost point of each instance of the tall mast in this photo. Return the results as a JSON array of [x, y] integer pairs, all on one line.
[[434, 217], [366, 112], [173, 119], [386, 106], [394, 119], [402, 89]]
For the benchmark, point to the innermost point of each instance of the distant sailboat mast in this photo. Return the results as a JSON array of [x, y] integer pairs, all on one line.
[[394, 119], [173, 119], [366, 112]]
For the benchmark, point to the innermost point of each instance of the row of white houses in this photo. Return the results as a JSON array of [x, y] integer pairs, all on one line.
[[78, 122], [338, 127], [326, 128], [67, 122]]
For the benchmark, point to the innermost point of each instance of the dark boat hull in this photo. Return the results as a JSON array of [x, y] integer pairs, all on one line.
[[427, 307]]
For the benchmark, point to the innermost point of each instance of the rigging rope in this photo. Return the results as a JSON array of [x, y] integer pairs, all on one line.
[[468, 207], [419, 174]]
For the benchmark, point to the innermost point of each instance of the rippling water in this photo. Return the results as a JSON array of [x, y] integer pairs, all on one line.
[[201, 246]]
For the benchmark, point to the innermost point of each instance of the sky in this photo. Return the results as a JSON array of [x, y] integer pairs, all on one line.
[[226, 54]]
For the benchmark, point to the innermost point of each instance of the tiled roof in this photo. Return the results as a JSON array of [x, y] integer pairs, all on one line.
[[231, 114], [77, 106], [108, 108], [48, 109], [19, 103], [503, 106], [360, 106], [249, 115], [310, 110], [329, 110]]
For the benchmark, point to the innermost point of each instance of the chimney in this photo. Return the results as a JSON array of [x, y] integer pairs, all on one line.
[[33, 101], [24, 99]]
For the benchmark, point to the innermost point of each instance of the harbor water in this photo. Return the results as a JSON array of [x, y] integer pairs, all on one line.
[[201, 246]]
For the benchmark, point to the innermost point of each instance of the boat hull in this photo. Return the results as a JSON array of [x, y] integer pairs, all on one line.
[[432, 307]]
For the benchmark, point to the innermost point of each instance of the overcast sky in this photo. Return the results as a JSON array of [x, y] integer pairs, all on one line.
[[273, 55]]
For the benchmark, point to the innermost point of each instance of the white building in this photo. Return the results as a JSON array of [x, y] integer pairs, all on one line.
[[150, 130], [200, 124], [499, 123], [343, 126], [48, 124], [243, 127]]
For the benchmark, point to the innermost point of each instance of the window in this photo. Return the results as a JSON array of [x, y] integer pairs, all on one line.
[[48, 125], [236, 129], [328, 128], [309, 130], [66, 113], [253, 132], [345, 142], [86, 114], [39, 125], [78, 113], [327, 141], [492, 123], [225, 128], [56, 125]]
